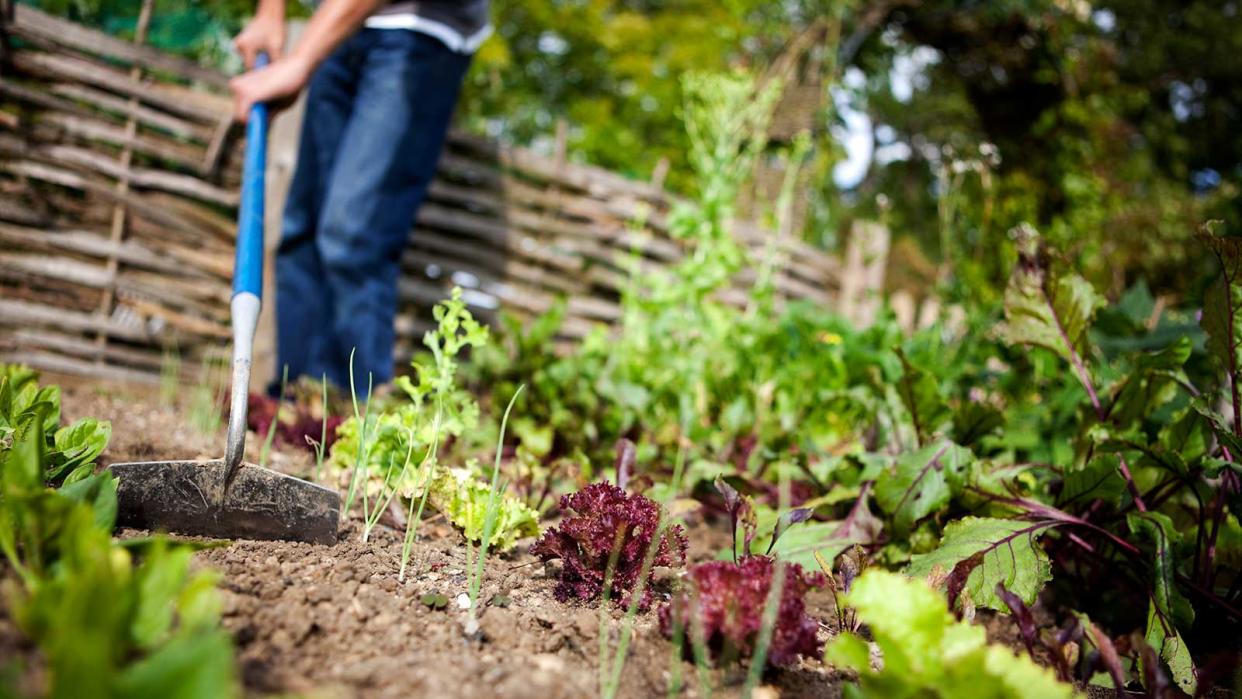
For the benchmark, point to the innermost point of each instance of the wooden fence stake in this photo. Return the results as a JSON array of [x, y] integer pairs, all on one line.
[[119, 212], [862, 280]]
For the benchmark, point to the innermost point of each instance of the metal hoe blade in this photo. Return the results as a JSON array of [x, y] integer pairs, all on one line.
[[189, 497]]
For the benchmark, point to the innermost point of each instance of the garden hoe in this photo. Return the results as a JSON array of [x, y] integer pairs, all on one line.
[[227, 498]]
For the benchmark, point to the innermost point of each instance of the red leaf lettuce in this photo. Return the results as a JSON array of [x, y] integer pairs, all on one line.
[[585, 539], [731, 598]]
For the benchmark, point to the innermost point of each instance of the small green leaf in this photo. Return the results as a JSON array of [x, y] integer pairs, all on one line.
[[1220, 427], [922, 482], [799, 544], [99, 490], [1161, 534], [925, 652], [198, 666], [51, 396], [1152, 382], [534, 438], [1168, 644], [737, 415], [1100, 479], [198, 603], [871, 465], [160, 580], [1186, 434], [990, 551], [973, 421], [79, 445], [1171, 358], [632, 395], [21, 466], [920, 393], [1137, 304], [1213, 467], [1044, 310], [1220, 320], [17, 375], [434, 600], [849, 651]]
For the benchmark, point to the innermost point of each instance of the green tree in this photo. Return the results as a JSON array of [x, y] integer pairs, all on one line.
[[1111, 124], [612, 70]]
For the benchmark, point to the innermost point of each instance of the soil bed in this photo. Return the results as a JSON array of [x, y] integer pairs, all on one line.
[[335, 621]]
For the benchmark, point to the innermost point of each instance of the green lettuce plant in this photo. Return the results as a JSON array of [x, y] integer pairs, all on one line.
[[108, 618], [925, 652], [464, 500], [429, 405], [69, 452]]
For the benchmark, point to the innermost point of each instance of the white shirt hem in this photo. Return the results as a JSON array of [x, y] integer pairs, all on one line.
[[452, 38]]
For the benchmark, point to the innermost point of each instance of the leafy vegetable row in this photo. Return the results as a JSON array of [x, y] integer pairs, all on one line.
[[109, 618], [1055, 449]]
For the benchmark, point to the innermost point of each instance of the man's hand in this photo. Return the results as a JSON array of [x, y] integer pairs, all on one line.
[[264, 33], [280, 82], [277, 84]]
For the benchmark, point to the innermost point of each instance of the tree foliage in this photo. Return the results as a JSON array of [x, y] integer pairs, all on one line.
[[1099, 122]]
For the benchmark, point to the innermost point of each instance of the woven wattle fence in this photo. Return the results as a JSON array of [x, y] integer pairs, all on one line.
[[119, 173]]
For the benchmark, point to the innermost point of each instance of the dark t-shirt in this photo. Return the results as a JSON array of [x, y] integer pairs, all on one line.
[[466, 17]]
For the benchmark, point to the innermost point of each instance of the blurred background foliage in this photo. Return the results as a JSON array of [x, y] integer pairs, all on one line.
[[1110, 125]]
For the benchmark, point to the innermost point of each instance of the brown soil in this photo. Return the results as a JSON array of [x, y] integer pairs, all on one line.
[[336, 621], [145, 429]]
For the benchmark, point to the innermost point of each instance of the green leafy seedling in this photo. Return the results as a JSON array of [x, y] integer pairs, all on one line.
[[493, 506], [271, 428], [323, 431], [434, 600]]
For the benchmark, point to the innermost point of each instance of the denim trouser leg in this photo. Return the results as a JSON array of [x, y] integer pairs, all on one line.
[[303, 301], [377, 113]]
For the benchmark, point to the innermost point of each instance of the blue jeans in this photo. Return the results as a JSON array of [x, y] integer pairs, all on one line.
[[377, 111]]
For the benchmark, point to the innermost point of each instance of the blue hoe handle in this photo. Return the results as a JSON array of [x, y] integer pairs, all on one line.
[[247, 285], [248, 271]]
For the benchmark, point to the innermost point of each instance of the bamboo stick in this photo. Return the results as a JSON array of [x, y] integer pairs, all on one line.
[[22, 313], [206, 301], [144, 178], [87, 349], [51, 126], [154, 118], [87, 243], [53, 361], [175, 99], [31, 22], [179, 321], [137, 203]]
